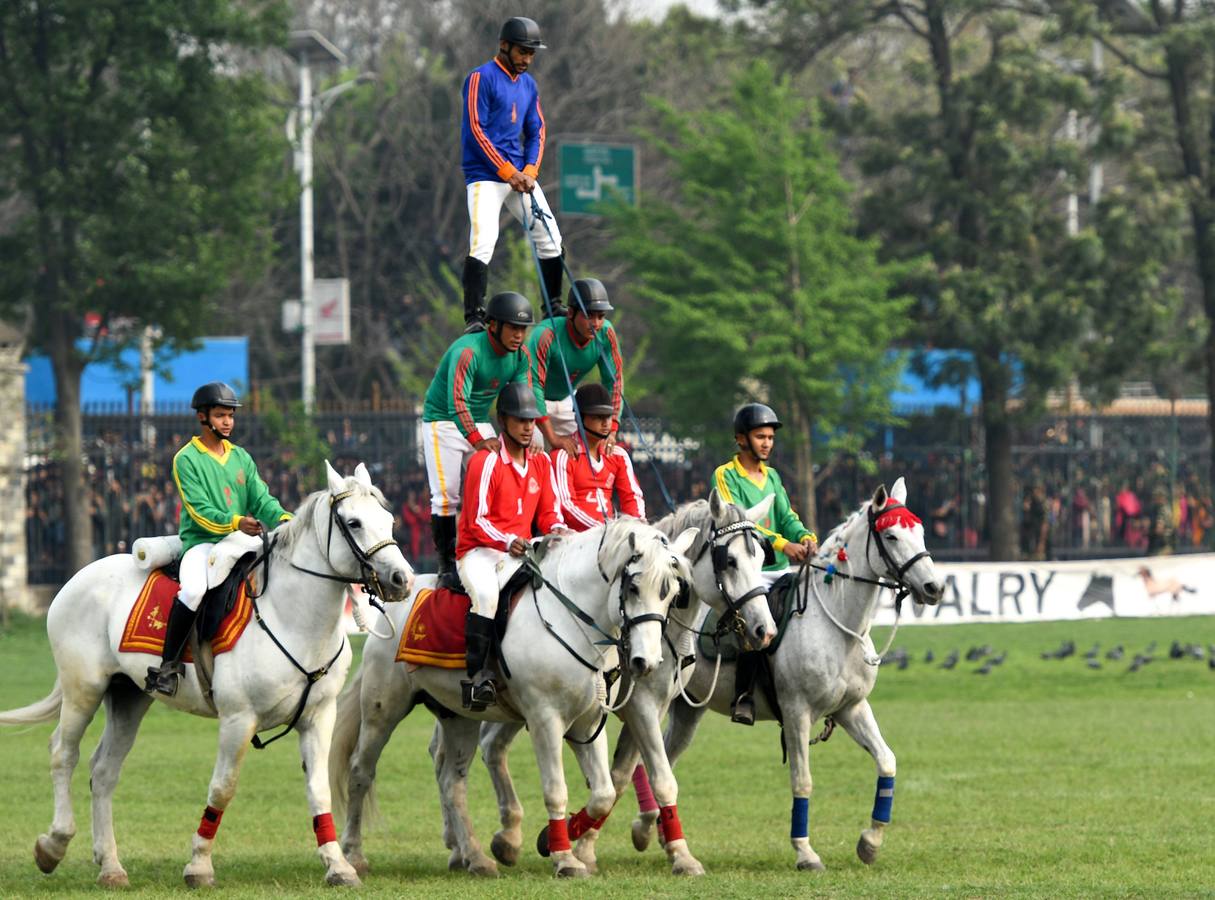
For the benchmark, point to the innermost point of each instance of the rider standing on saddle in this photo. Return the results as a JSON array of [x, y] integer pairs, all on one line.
[[579, 340], [746, 480], [510, 494], [221, 494], [585, 482], [502, 139], [455, 416]]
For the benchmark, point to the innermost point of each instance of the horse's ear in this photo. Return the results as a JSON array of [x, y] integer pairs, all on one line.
[[336, 481], [760, 509], [717, 506], [685, 540], [363, 476], [898, 490], [880, 497]]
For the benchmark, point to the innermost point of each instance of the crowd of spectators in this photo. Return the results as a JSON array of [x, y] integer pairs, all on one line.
[[1122, 506]]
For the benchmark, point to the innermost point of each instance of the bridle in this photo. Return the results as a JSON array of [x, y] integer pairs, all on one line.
[[717, 546], [368, 578]]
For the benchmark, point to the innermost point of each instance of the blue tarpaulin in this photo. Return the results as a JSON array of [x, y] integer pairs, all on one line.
[[177, 376]]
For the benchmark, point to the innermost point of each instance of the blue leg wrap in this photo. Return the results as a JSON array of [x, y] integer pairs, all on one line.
[[883, 800], [800, 827]]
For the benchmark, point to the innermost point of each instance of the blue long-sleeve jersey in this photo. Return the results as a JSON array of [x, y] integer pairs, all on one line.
[[503, 127]]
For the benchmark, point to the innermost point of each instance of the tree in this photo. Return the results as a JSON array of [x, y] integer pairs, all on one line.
[[143, 166], [974, 173], [753, 282]]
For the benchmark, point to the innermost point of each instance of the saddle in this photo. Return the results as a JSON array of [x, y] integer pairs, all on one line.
[[782, 603]]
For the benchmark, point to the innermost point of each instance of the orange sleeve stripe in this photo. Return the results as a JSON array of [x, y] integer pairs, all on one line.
[[474, 88], [543, 132], [459, 404], [542, 349], [618, 382]]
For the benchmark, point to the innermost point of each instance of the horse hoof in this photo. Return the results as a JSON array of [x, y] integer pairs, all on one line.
[[810, 865], [44, 856], [485, 868], [113, 879], [359, 864], [343, 879], [643, 830], [503, 850], [542, 842], [572, 869], [866, 851], [688, 867], [455, 862], [200, 881]]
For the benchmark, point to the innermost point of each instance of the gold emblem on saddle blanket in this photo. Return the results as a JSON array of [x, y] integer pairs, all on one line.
[[155, 622]]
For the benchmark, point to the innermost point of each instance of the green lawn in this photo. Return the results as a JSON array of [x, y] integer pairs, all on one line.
[[1043, 778]]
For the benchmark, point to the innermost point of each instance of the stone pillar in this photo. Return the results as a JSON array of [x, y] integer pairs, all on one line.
[[14, 594]]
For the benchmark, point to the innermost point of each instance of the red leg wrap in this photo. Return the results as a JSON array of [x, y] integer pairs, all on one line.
[[645, 795], [668, 821], [323, 826], [558, 836], [210, 822], [581, 823]]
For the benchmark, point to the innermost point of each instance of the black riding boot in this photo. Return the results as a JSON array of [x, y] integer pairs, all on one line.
[[163, 678], [478, 692], [476, 282], [443, 530], [743, 710], [552, 270]]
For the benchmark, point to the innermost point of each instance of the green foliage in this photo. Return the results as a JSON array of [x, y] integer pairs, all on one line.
[[751, 279], [301, 449]]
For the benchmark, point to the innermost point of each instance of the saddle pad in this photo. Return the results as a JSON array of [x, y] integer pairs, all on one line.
[[434, 632], [145, 628]]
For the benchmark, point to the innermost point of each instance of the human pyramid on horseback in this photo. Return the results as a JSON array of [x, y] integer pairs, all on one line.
[[561, 592]]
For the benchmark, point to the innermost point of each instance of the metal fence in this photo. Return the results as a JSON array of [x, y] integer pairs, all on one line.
[[1098, 480]]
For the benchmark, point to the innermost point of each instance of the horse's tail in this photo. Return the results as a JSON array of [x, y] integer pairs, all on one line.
[[341, 749], [45, 710]]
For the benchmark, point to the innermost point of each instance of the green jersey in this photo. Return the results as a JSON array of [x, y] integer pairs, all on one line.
[[781, 524], [470, 376], [553, 342], [217, 491]]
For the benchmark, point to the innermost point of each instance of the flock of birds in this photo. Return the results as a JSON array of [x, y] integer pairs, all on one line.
[[900, 657]]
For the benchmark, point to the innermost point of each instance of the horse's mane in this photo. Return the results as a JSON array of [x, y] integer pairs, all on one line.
[[835, 538], [288, 534], [696, 514], [616, 551]]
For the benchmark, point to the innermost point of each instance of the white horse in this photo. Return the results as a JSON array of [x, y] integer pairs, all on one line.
[[288, 668], [618, 582], [728, 558], [825, 664]]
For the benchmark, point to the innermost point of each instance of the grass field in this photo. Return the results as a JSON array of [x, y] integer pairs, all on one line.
[[1043, 778]]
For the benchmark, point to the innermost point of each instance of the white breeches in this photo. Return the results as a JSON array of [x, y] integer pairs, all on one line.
[[770, 578], [204, 566], [561, 416], [447, 452], [484, 571], [485, 199]]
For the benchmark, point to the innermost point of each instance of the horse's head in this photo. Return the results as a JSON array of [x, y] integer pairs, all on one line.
[[895, 544], [650, 572], [728, 570], [364, 546]]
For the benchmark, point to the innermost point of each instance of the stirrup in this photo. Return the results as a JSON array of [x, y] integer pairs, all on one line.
[[163, 679], [479, 693], [473, 325], [743, 711]]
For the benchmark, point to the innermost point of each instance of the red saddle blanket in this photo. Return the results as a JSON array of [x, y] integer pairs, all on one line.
[[145, 628], [434, 631]]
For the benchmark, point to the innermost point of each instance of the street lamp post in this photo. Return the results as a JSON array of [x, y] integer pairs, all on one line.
[[308, 48]]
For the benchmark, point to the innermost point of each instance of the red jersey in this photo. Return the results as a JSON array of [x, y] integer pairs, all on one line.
[[503, 500], [584, 487]]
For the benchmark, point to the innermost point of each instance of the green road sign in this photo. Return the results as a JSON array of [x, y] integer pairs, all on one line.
[[593, 173]]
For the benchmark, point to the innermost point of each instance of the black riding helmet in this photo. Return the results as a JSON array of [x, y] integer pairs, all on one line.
[[752, 416], [518, 400], [594, 296], [522, 31], [593, 399], [510, 307], [214, 393]]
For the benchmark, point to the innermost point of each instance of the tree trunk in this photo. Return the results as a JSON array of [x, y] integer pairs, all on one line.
[[78, 526], [803, 469], [1001, 515]]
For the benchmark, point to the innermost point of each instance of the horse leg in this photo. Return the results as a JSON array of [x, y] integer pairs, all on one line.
[[381, 712], [76, 712], [584, 826], [547, 739], [125, 706], [681, 727], [496, 738], [315, 734], [438, 752], [862, 727], [643, 719], [457, 746], [235, 732], [798, 720]]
